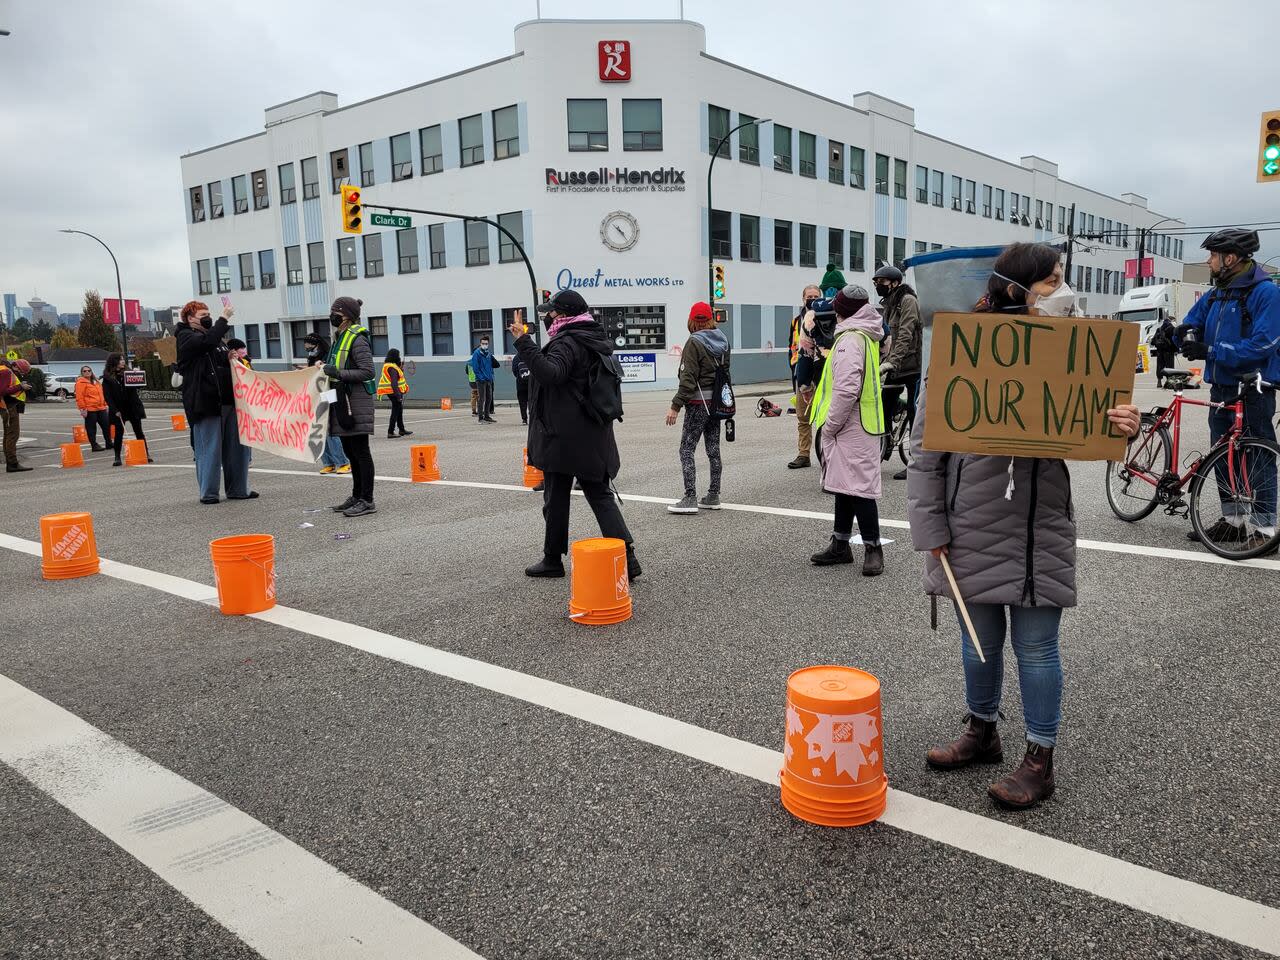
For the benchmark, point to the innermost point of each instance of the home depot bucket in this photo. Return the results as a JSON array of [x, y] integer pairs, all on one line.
[[833, 759], [422, 463], [244, 569], [67, 546], [446, 403], [135, 453], [72, 455], [600, 591], [532, 475], [79, 435], [179, 421]]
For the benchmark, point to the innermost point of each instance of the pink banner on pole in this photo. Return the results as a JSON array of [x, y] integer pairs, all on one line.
[[1148, 268], [132, 312]]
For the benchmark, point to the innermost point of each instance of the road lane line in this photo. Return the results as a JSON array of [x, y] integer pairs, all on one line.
[[282, 901], [1182, 901]]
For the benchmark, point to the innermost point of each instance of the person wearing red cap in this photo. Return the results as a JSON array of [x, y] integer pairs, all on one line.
[[13, 398], [704, 352]]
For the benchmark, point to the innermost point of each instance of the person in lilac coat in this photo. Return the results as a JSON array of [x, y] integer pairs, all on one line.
[[850, 453]]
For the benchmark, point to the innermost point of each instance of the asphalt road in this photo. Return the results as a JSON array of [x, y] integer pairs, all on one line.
[[520, 831]]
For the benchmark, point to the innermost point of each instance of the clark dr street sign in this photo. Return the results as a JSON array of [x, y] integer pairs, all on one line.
[[390, 220]]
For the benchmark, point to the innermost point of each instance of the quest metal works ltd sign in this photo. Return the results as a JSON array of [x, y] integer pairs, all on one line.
[[566, 279], [615, 180]]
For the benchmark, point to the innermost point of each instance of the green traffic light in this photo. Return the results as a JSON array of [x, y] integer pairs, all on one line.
[[1272, 153]]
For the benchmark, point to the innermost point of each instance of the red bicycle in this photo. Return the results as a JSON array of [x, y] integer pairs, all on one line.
[[1231, 490]]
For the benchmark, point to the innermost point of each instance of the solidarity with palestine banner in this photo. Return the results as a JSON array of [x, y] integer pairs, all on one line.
[[282, 413]]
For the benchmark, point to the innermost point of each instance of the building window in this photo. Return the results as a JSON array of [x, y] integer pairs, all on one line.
[[407, 250], [197, 204], [429, 143], [442, 334], [347, 258], [921, 246], [477, 243], [722, 234], [641, 124], [411, 324], [808, 155], [435, 242], [781, 148], [508, 318], [857, 251], [507, 250], [937, 188], [588, 125], [471, 139], [373, 255], [267, 269], [957, 188], [1090, 227], [749, 238], [401, 162], [246, 271], [970, 196], [481, 322], [1026, 209], [315, 260], [986, 200], [215, 200], [288, 192], [718, 129], [749, 140], [882, 250], [240, 193], [899, 251], [1040, 214], [293, 265], [1119, 283], [205, 280], [835, 247], [339, 172], [380, 343], [1048, 219], [1088, 279], [366, 165], [782, 242], [1062, 220], [858, 168], [900, 179], [935, 246], [1013, 207], [999, 204], [1106, 281], [922, 184], [261, 198], [835, 162], [297, 334], [808, 245], [506, 133], [310, 179], [222, 267], [882, 174], [273, 340], [252, 341]]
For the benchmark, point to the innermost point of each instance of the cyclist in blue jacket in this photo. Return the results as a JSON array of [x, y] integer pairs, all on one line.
[[1236, 330]]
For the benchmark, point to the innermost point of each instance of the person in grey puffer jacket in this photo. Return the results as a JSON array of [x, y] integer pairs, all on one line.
[[350, 372], [1007, 526], [703, 352]]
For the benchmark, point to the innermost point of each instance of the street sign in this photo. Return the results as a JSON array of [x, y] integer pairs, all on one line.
[[390, 220], [11, 355]]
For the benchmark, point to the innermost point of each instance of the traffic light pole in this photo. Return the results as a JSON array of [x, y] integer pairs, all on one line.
[[711, 272], [124, 327]]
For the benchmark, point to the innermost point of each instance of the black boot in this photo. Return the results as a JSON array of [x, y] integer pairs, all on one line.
[[1030, 783], [546, 567], [980, 743], [633, 565], [872, 561], [837, 551]]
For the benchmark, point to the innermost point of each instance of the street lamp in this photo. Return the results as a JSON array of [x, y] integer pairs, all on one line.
[[711, 282], [1142, 246], [124, 327]]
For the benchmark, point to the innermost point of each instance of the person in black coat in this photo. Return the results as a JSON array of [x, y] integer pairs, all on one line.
[[1162, 340], [520, 370], [123, 405], [564, 440]]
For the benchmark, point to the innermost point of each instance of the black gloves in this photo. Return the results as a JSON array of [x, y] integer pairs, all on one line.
[[1195, 350]]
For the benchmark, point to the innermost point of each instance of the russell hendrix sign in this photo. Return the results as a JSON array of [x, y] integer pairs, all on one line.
[[619, 180]]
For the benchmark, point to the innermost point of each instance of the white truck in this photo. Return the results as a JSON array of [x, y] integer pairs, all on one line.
[[1148, 306]]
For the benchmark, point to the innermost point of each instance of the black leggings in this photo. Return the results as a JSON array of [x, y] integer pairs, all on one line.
[[118, 443], [868, 514], [94, 419], [397, 415], [357, 450]]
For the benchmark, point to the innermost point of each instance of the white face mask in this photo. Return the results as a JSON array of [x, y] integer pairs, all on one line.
[[1060, 303]]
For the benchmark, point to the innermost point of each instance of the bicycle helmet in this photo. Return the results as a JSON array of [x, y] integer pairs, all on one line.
[[1235, 240], [890, 272]]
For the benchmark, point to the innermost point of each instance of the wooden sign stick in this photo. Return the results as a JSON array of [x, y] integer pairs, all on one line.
[[964, 611]]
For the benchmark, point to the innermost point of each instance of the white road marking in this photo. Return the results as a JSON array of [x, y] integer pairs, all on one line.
[[282, 901], [1182, 901]]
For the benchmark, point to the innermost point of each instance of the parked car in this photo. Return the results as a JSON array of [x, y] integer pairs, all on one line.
[[61, 387]]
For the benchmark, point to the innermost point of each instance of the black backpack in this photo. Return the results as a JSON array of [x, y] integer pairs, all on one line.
[[722, 404], [603, 399]]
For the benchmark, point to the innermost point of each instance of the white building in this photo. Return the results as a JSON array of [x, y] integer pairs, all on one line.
[[604, 179]]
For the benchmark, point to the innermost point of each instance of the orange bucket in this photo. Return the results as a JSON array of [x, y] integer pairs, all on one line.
[[532, 475], [179, 421], [833, 760], [67, 546], [422, 463], [72, 455], [79, 435], [135, 453], [244, 569], [446, 403], [600, 588]]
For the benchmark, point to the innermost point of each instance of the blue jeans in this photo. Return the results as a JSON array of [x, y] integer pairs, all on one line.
[[334, 455], [1034, 633], [1259, 411], [220, 455]]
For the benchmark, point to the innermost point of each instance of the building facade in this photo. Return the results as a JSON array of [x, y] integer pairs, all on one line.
[[591, 144]]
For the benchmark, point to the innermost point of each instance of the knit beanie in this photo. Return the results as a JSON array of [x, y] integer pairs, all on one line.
[[850, 300], [833, 279], [348, 307]]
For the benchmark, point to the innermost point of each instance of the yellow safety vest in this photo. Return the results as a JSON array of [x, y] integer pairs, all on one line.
[[342, 347], [870, 404], [21, 395], [384, 382]]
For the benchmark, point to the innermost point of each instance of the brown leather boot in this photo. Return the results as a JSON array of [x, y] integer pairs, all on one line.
[[980, 743], [872, 561], [1029, 784]]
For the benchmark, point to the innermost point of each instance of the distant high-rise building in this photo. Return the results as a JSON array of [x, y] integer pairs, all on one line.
[[10, 308], [71, 320], [43, 311]]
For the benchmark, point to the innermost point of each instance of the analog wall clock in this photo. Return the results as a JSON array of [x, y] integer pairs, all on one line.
[[619, 231]]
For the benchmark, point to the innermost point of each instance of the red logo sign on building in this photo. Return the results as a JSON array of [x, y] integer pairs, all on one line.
[[615, 60]]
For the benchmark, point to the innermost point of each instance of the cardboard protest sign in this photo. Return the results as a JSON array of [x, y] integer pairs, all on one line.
[[282, 413], [1028, 386]]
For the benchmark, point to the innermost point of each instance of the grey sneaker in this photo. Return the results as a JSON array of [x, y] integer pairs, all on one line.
[[710, 502], [688, 505]]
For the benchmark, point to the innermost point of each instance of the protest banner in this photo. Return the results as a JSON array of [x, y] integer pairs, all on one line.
[[282, 413], [1028, 386]]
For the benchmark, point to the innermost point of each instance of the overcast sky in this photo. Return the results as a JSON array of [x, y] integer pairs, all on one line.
[[98, 99]]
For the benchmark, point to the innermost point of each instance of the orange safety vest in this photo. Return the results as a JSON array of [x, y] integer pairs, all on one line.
[[384, 382]]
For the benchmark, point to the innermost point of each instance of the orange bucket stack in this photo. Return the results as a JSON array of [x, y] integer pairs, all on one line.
[[833, 761], [422, 463], [244, 569], [600, 588], [135, 453], [532, 475], [79, 435], [179, 421], [446, 403], [72, 455], [67, 546]]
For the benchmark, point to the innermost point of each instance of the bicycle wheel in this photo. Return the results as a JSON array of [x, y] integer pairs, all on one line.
[[1233, 499], [1131, 484], [904, 447]]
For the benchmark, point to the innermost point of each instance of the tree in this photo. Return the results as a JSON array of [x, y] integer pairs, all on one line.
[[21, 329], [64, 339], [42, 331], [94, 331]]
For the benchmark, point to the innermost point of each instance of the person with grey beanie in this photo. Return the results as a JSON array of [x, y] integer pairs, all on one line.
[[350, 372]]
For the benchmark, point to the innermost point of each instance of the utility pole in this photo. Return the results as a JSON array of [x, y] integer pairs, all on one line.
[[711, 278], [1071, 239], [1142, 250], [124, 327]]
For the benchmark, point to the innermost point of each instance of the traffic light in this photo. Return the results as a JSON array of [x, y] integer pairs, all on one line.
[[718, 286], [1269, 148], [351, 209]]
